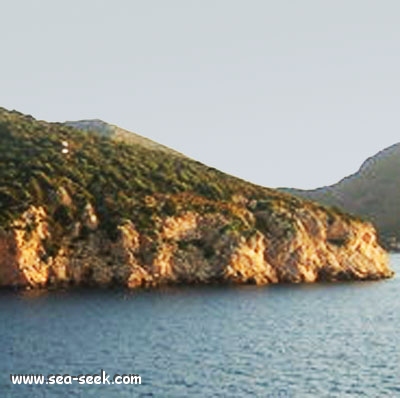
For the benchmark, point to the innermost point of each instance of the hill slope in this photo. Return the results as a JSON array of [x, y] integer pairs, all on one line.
[[372, 193], [87, 207], [118, 134]]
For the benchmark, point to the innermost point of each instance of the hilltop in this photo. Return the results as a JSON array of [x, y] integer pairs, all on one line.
[[373, 193], [87, 203], [118, 134]]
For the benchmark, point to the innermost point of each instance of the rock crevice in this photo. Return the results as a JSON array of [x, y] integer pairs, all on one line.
[[191, 248]]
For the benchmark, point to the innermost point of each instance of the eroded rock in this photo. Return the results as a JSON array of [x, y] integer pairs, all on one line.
[[306, 246]]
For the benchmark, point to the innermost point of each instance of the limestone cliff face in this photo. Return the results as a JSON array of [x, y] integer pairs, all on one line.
[[95, 205], [306, 245]]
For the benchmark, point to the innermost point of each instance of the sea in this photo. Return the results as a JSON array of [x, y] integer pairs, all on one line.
[[307, 340]]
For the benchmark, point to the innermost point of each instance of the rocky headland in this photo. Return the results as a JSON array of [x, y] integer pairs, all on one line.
[[79, 207]]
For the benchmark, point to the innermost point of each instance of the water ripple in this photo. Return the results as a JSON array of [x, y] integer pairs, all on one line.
[[337, 340]]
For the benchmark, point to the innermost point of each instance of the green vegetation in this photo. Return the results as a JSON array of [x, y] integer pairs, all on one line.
[[124, 177], [372, 193], [123, 180]]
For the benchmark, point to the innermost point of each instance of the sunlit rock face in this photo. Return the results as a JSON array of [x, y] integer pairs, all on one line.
[[95, 205], [193, 248], [372, 193]]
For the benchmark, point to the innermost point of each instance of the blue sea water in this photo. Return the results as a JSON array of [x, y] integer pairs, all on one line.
[[321, 340]]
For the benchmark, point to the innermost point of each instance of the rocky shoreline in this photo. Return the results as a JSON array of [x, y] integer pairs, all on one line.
[[191, 249], [95, 205]]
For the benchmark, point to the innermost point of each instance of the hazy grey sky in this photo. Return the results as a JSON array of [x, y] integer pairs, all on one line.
[[282, 93]]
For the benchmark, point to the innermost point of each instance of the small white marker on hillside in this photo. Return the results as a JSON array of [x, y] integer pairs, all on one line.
[[65, 149]]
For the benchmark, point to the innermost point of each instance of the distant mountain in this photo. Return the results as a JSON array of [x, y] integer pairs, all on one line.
[[88, 203], [118, 134], [372, 193]]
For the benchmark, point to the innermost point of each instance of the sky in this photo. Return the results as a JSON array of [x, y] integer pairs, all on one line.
[[280, 93]]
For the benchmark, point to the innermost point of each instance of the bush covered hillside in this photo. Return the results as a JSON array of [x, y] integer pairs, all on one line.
[[121, 179], [372, 193], [89, 203]]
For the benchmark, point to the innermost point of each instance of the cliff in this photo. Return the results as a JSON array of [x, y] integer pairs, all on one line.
[[372, 193], [84, 208]]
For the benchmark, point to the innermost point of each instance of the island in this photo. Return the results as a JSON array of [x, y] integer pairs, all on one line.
[[90, 204], [371, 193]]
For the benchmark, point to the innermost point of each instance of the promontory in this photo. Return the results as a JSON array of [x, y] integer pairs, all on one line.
[[89, 204]]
